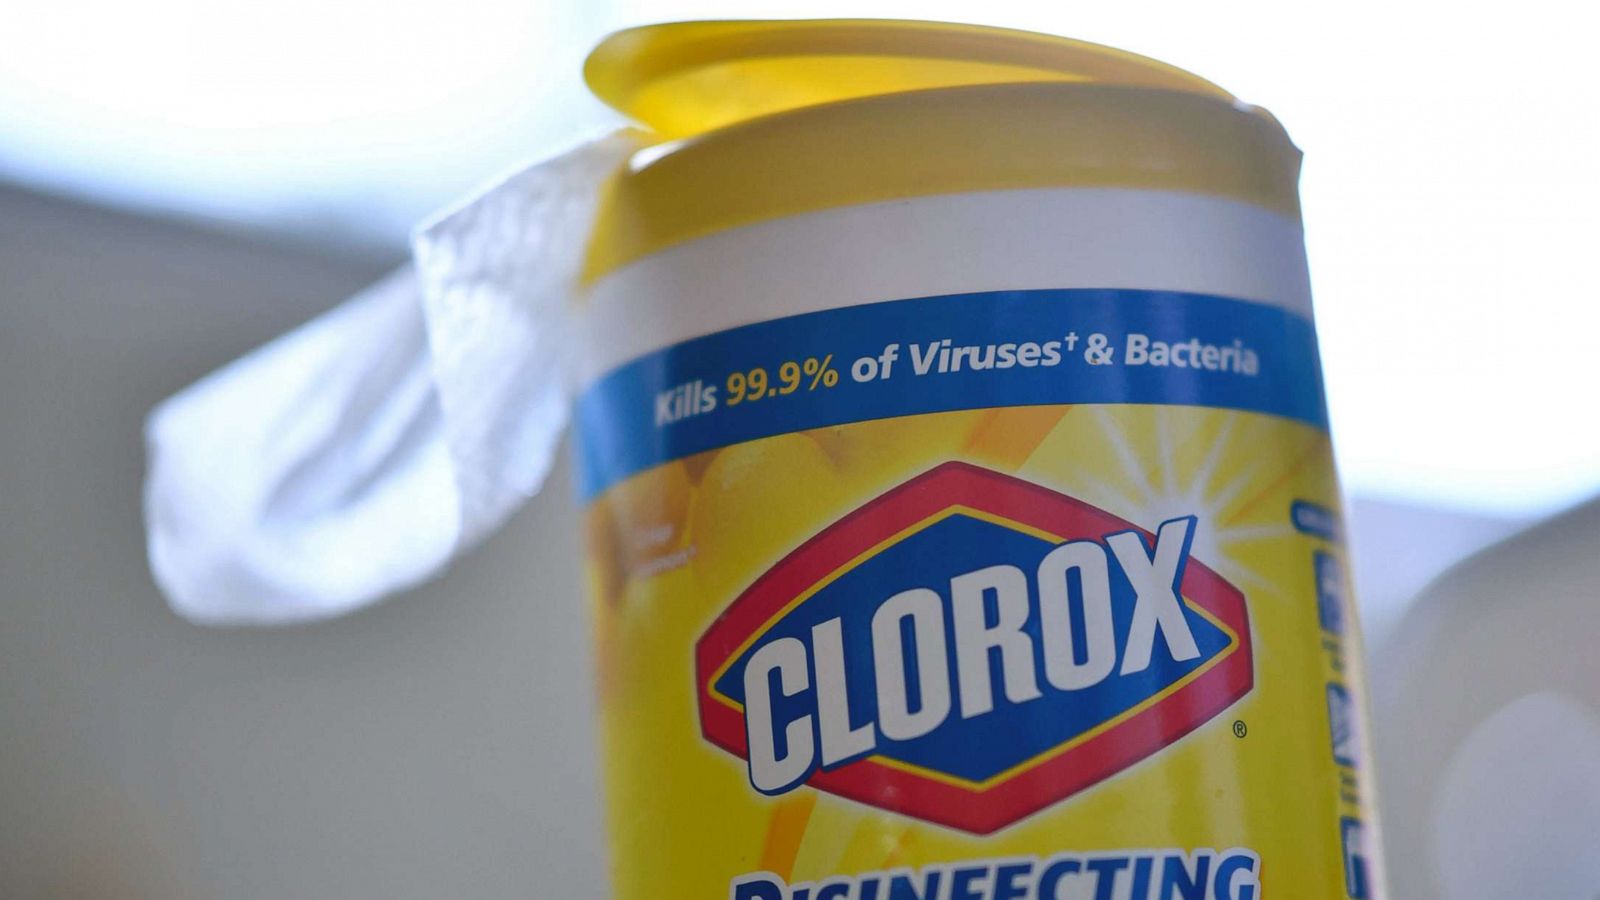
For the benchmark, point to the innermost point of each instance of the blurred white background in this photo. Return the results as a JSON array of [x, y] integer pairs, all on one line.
[[1448, 187], [190, 177]]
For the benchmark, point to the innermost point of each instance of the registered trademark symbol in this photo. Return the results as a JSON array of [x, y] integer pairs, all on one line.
[[1239, 729]]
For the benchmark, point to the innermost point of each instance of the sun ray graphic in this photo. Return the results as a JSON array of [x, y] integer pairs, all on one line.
[[1233, 471]]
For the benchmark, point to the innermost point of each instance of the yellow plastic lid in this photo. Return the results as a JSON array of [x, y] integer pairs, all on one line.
[[764, 119], [687, 78]]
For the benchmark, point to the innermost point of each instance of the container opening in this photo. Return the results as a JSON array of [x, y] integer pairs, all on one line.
[[686, 78]]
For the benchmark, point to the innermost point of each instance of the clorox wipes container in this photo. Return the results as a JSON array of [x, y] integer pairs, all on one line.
[[962, 518]]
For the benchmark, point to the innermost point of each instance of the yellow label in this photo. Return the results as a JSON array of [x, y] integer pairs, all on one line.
[[1096, 650]]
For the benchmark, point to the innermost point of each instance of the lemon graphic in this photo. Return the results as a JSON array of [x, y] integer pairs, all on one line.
[[651, 627], [881, 453], [1003, 439], [651, 512], [697, 464], [758, 501]]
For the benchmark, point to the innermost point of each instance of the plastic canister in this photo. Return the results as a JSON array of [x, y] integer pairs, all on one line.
[[961, 512]]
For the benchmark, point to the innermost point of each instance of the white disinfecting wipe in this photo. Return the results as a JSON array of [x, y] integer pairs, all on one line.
[[362, 452]]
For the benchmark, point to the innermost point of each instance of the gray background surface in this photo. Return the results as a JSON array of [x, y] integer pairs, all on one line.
[[436, 746]]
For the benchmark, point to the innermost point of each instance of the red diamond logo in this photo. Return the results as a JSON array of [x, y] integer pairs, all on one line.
[[850, 664]]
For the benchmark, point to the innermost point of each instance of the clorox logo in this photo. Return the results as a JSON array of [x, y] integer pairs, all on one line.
[[970, 648]]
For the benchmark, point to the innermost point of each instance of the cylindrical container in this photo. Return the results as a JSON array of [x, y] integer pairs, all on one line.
[[962, 517]]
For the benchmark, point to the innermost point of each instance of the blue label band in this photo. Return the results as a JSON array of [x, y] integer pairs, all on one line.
[[938, 354]]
